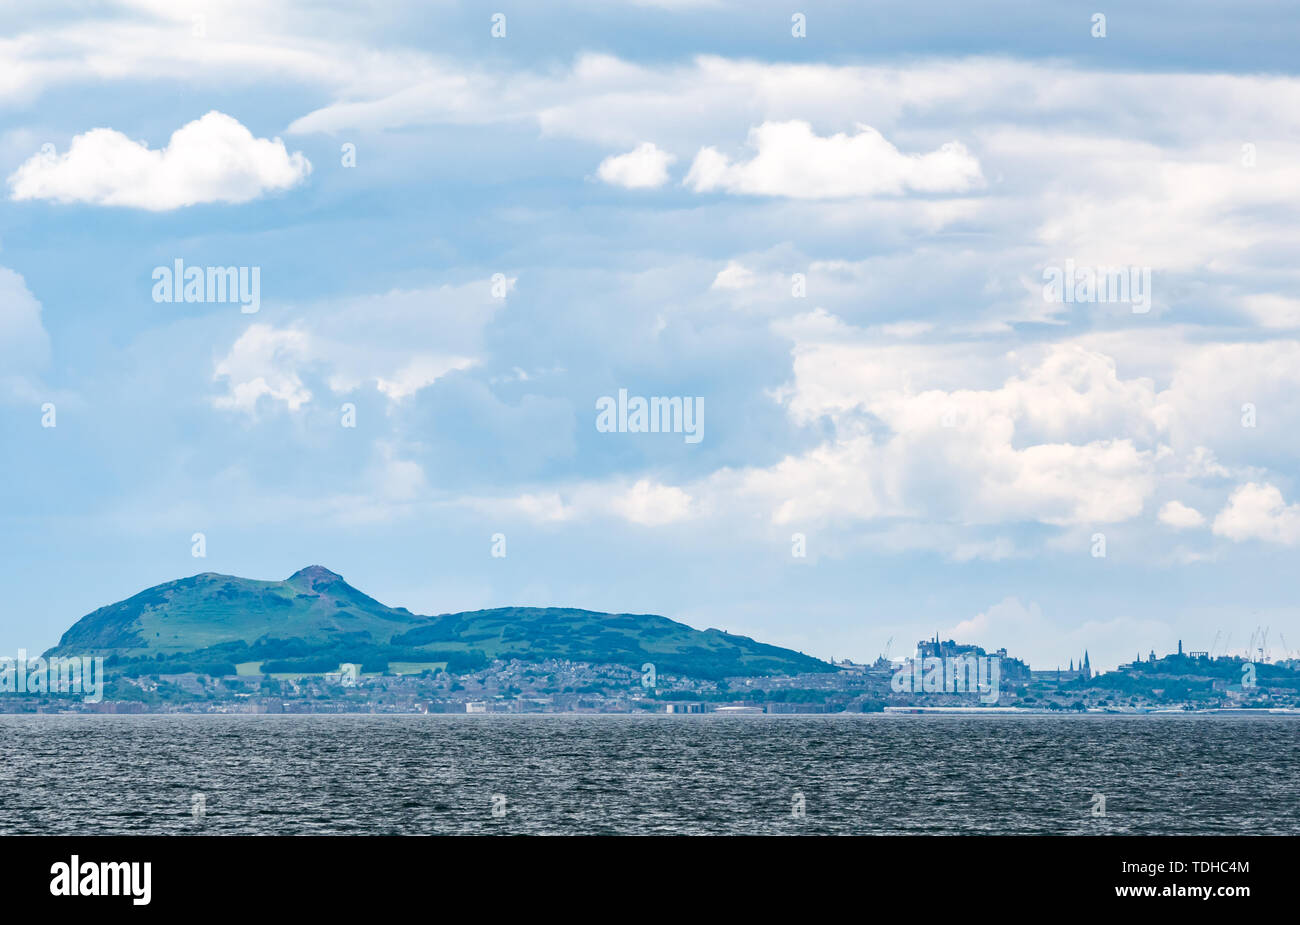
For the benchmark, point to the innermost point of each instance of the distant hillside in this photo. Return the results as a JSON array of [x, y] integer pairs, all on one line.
[[314, 619]]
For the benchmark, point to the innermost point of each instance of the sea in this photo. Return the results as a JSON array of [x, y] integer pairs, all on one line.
[[641, 775]]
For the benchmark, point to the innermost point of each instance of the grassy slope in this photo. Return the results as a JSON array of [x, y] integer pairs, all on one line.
[[584, 635]]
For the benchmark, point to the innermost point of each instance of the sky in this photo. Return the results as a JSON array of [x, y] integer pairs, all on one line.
[[863, 238]]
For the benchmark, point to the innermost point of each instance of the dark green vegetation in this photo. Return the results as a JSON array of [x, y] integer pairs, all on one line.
[[314, 620]]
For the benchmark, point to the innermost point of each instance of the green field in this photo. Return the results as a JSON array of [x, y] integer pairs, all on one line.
[[415, 667]]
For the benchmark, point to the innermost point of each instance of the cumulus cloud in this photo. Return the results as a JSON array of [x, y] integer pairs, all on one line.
[[264, 362], [1179, 516], [1064, 440], [1258, 511], [212, 159], [644, 167], [793, 161]]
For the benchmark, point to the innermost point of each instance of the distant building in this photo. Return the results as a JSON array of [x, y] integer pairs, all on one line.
[[684, 708], [1013, 669]]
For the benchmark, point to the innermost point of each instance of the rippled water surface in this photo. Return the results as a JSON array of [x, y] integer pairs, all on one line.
[[590, 774]]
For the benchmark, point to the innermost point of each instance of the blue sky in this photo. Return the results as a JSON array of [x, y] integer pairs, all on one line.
[[648, 179]]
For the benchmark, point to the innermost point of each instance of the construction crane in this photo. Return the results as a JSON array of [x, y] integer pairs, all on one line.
[[1215, 644]]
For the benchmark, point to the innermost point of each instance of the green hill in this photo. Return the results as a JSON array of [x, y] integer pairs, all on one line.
[[314, 620]]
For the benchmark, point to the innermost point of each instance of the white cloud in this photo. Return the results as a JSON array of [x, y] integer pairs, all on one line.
[[212, 159], [397, 342], [962, 434], [793, 161], [646, 503], [244, 43], [1258, 511], [644, 167], [1210, 386], [1154, 203], [421, 371], [733, 276], [1179, 516], [1063, 440], [24, 344], [1273, 311], [651, 504], [264, 362], [548, 507]]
